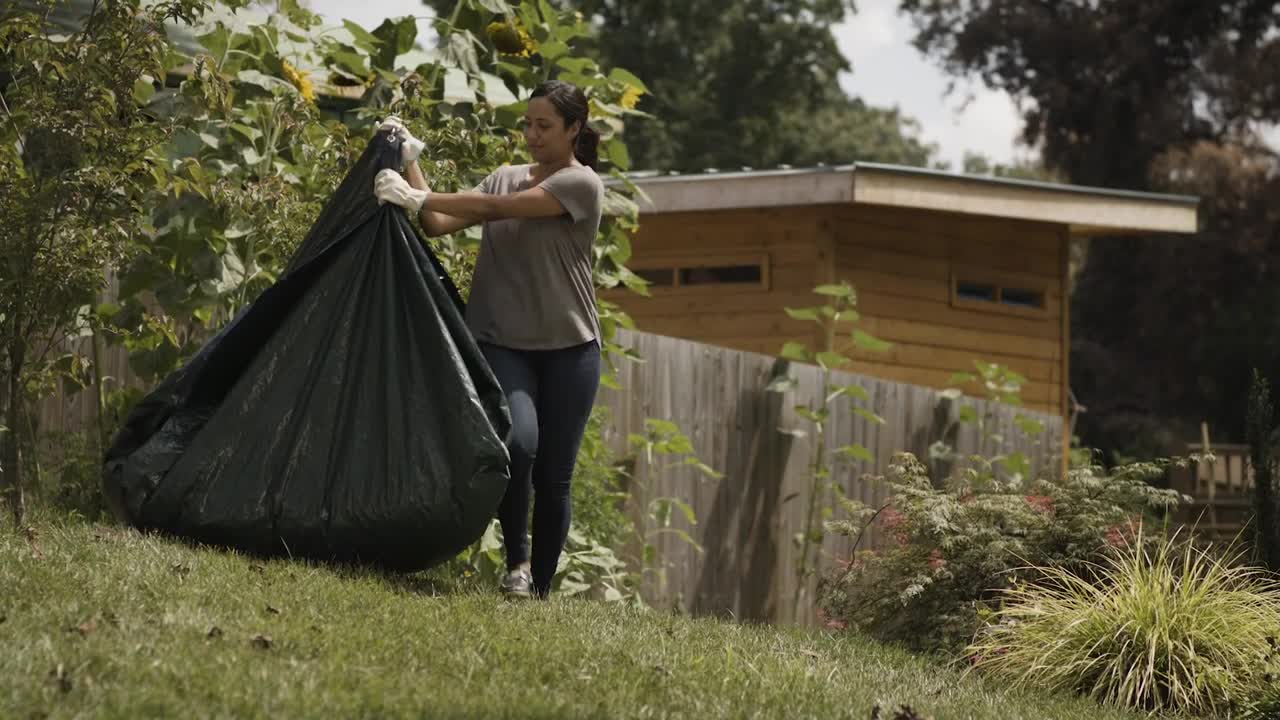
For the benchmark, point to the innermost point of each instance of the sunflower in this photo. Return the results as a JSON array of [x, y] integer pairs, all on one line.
[[510, 38], [630, 97], [300, 81]]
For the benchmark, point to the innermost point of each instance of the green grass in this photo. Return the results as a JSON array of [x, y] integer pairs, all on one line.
[[97, 621]]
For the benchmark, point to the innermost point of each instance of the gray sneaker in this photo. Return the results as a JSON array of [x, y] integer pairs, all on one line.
[[518, 584]]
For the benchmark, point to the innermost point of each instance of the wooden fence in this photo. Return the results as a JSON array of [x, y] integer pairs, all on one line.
[[746, 521]]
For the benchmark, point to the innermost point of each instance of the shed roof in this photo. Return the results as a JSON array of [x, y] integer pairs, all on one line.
[[1085, 210]]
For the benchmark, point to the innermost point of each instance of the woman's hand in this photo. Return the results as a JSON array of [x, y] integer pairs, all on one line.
[[410, 147], [390, 186]]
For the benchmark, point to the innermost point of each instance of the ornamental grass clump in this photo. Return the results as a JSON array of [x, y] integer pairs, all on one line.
[[1161, 626]]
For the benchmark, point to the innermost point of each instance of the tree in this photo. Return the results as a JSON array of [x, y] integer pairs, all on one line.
[[1260, 421], [73, 171], [747, 83], [1147, 95], [1109, 85]]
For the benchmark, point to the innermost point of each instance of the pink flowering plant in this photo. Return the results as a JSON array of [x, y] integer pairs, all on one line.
[[950, 547]]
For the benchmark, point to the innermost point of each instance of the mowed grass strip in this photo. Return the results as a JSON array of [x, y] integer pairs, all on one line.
[[99, 621]]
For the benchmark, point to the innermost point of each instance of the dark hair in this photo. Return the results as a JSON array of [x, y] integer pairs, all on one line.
[[571, 103]]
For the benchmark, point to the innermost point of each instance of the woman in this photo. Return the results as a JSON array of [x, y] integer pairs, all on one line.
[[532, 309]]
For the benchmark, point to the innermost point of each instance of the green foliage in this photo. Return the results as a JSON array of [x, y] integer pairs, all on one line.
[[953, 545], [748, 83], [1154, 627], [250, 165], [598, 498], [71, 479], [840, 308], [1261, 429], [662, 447], [74, 176], [1265, 703], [998, 384]]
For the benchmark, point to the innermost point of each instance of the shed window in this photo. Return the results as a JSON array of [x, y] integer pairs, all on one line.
[[979, 291], [982, 292], [1021, 297], [657, 277], [750, 272], [721, 274]]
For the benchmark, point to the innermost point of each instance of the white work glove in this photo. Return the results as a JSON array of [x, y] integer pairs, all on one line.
[[392, 121], [390, 186], [410, 146]]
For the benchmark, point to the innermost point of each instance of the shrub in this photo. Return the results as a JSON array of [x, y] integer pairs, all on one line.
[[598, 498], [953, 548], [1159, 626]]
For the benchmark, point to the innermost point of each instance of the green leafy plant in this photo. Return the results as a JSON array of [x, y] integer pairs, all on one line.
[[1265, 703], [998, 384], [74, 175], [599, 500], [1157, 626], [952, 546], [661, 448], [841, 307]]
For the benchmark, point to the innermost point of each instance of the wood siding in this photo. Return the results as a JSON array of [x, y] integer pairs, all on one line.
[[746, 318], [901, 263]]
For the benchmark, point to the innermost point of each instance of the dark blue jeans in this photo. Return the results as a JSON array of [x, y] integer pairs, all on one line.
[[551, 393]]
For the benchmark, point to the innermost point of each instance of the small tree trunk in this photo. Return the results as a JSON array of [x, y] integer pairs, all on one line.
[[99, 395], [12, 481], [1261, 456]]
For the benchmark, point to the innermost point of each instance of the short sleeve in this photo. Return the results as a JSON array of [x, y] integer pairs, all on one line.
[[579, 190], [486, 185]]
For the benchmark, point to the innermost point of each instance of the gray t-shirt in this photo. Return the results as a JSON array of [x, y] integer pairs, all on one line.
[[532, 288]]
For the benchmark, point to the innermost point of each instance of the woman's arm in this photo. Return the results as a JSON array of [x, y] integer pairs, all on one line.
[[534, 202], [436, 223]]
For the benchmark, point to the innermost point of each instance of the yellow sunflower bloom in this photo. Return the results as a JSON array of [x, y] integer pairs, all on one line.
[[510, 38], [301, 82], [630, 97]]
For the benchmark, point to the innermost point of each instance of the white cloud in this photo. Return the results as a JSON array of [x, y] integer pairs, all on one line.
[[889, 72]]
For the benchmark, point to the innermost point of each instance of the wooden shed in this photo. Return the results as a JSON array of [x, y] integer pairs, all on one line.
[[949, 268]]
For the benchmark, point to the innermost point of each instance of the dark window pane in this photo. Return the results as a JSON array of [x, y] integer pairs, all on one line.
[[661, 277], [1021, 298], [975, 291], [723, 274]]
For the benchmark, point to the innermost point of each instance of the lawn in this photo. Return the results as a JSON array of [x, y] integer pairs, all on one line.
[[99, 621]]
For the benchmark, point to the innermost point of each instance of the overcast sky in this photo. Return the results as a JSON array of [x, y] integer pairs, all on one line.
[[887, 71]]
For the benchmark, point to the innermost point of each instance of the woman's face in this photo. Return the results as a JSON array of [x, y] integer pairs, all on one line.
[[545, 132]]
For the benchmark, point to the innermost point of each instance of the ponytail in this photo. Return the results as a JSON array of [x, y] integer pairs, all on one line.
[[587, 147]]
